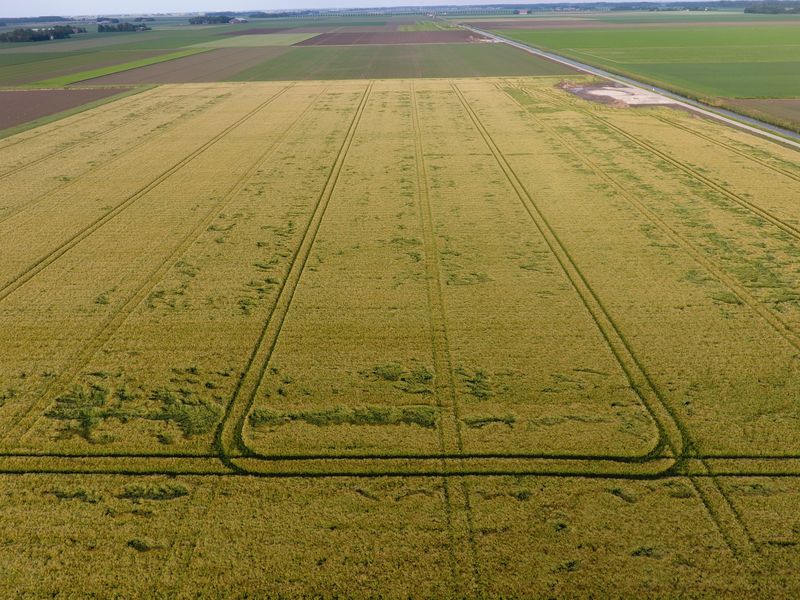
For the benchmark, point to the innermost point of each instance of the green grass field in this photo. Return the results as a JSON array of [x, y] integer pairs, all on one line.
[[736, 62]]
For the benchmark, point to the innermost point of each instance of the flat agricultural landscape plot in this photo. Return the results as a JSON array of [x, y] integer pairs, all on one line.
[[435, 338], [397, 61], [19, 68], [215, 65], [21, 106], [787, 109], [249, 40], [392, 37], [741, 59]]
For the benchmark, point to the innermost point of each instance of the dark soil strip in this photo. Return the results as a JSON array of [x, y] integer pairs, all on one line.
[[392, 37], [215, 65], [18, 107]]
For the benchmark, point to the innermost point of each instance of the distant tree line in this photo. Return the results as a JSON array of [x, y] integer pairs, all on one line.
[[774, 8], [141, 19], [111, 28], [58, 32], [210, 19], [14, 20], [273, 15]]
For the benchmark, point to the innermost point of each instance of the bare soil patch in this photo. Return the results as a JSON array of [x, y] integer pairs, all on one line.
[[392, 37], [615, 94], [20, 106], [215, 65]]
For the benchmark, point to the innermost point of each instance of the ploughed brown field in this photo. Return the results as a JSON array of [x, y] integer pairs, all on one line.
[[21, 106], [391, 37], [215, 65]]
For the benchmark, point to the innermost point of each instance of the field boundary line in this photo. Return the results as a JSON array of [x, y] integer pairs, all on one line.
[[445, 384], [452, 467], [672, 431], [724, 515], [386, 457], [690, 171], [22, 207], [80, 142], [229, 434], [373, 474], [781, 327], [718, 505], [115, 321], [43, 262]]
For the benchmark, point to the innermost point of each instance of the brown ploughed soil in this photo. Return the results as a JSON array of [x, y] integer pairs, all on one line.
[[215, 65], [20, 106]]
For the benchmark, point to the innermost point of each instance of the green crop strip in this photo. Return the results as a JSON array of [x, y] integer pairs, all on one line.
[[94, 73]]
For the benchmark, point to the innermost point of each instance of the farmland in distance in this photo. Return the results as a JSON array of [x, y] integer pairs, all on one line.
[[744, 62], [385, 333]]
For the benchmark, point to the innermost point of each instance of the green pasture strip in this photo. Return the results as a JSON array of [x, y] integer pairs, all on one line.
[[21, 69], [81, 42], [401, 61], [85, 75], [257, 40], [4, 133], [169, 39], [420, 26]]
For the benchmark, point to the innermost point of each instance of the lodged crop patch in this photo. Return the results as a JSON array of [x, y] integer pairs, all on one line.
[[460, 315]]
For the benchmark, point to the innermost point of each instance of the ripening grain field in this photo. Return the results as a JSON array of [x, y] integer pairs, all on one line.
[[430, 338]]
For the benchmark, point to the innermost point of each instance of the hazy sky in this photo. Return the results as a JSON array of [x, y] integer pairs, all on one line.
[[30, 8]]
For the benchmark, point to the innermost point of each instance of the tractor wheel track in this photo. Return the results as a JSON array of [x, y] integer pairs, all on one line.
[[228, 439], [765, 214], [113, 323], [81, 141], [443, 368], [717, 503], [43, 262], [22, 207], [721, 513]]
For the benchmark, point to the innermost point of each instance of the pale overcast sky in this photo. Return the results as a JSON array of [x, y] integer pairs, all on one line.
[[28, 8]]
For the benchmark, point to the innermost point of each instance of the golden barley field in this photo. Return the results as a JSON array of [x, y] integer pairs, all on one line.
[[441, 338]]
